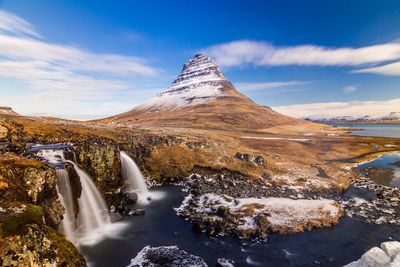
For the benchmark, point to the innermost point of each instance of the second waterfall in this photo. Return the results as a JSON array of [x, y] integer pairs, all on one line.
[[133, 177]]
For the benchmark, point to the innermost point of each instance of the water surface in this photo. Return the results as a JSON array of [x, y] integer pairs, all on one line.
[[383, 130], [387, 161], [160, 226]]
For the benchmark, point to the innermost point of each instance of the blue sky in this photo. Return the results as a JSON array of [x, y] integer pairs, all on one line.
[[95, 58]]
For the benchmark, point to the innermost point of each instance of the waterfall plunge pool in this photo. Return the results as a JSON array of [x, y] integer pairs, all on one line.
[[160, 226]]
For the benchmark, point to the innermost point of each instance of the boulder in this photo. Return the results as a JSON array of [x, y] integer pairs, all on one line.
[[391, 248], [258, 160], [166, 256], [132, 196], [395, 262], [375, 257], [3, 132], [222, 262], [137, 212]]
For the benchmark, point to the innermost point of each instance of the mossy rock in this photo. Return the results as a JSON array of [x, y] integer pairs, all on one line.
[[3, 132], [16, 224], [67, 253]]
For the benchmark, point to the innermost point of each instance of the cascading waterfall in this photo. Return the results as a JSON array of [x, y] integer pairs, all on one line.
[[93, 220], [133, 177], [93, 211], [68, 224]]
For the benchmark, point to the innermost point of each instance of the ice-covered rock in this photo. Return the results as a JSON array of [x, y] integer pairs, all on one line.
[[395, 262], [222, 262], [386, 256], [170, 256], [375, 257], [255, 217], [391, 248]]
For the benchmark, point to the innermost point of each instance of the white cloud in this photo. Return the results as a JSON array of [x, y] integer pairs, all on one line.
[[392, 69], [350, 88], [71, 58], [61, 77], [353, 108], [268, 85], [16, 25], [245, 52]]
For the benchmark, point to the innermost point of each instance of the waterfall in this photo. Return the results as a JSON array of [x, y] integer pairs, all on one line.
[[133, 178], [93, 211], [68, 224], [93, 220], [92, 214]]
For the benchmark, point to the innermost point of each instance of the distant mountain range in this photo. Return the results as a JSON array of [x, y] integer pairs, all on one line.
[[392, 116], [8, 111], [202, 97]]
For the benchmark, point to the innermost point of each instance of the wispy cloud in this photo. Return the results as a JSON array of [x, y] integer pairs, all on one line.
[[392, 69], [269, 85], [132, 36], [57, 72], [16, 25], [350, 88], [246, 52], [353, 108]]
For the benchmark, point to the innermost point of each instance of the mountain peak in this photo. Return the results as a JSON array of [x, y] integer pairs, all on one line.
[[200, 68], [200, 80]]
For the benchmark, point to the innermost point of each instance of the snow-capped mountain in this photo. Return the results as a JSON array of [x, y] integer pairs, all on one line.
[[200, 81], [393, 116], [201, 97]]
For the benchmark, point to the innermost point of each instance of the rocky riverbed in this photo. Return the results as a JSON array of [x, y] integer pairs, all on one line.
[[372, 202]]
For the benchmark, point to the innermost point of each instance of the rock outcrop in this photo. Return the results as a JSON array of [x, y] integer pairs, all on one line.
[[387, 255], [166, 256], [30, 211]]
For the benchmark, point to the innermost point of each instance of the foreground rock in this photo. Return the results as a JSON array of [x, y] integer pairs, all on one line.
[[30, 212], [255, 217], [170, 256], [230, 203], [388, 255]]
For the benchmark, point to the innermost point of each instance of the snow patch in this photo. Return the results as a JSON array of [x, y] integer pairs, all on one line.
[[281, 211]]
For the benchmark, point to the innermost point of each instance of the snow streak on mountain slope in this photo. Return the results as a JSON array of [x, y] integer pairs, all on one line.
[[200, 81]]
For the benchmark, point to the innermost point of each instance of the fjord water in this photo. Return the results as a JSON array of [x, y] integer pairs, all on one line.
[[160, 226], [384, 130]]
